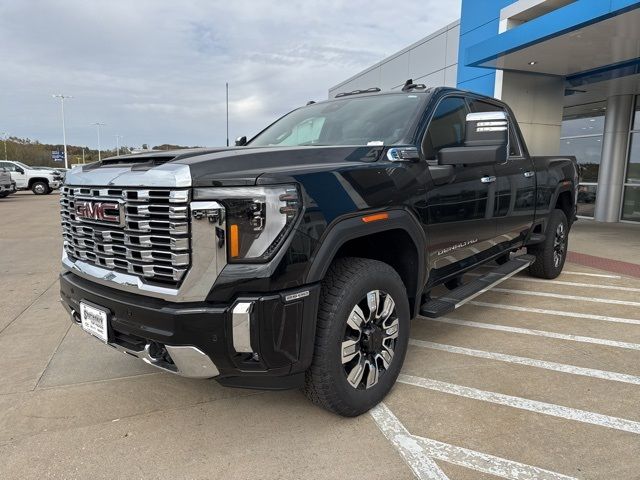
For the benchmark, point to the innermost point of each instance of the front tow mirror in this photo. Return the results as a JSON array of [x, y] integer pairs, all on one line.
[[486, 141], [241, 141], [19, 170]]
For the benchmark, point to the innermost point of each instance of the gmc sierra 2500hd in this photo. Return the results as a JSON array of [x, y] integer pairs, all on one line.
[[300, 257]]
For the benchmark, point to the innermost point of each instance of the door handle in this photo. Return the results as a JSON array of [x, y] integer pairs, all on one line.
[[488, 179], [529, 174]]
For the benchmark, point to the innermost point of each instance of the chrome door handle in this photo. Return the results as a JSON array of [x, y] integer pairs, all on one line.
[[489, 179], [529, 174]]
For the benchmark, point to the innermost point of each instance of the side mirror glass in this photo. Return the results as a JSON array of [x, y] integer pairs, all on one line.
[[487, 129], [241, 141]]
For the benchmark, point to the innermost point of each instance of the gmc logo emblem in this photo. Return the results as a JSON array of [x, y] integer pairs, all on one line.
[[108, 212]]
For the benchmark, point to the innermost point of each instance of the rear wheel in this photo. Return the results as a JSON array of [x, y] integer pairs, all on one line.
[[552, 253], [362, 336], [40, 188]]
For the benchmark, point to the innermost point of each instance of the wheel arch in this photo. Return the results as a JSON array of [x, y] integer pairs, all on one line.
[[398, 241], [37, 179]]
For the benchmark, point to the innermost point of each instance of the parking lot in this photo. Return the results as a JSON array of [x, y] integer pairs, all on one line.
[[533, 380]]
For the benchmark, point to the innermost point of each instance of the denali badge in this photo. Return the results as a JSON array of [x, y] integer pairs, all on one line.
[[108, 212]]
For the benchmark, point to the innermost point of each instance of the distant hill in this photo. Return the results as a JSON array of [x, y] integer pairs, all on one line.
[[32, 152]]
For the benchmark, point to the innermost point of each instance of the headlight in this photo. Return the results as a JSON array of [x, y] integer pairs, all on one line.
[[258, 218]]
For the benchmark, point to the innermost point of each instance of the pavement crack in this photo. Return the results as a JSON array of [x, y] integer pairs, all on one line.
[[66, 332], [28, 306]]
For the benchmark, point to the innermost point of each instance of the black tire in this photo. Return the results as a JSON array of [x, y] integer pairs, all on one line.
[[40, 188], [348, 281], [552, 253], [2, 195]]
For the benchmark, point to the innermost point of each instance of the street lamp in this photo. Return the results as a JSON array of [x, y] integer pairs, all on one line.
[[64, 132], [118, 138], [98, 125], [5, 135]]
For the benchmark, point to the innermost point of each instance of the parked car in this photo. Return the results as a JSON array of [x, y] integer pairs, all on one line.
[[40, 180], [7, 186], [300, 257]]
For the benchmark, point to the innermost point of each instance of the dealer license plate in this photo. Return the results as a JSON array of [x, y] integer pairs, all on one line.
[[94, 321]]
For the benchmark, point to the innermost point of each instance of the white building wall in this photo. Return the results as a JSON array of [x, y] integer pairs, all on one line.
[[432, 61]]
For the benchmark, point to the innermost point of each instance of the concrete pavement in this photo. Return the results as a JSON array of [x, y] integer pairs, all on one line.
[[534, 380]]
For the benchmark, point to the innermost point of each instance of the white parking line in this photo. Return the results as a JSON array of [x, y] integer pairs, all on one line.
[[559, 313], [569, 284], [568, 272], [568, 297], [576, 284], [480, 462], [423, 466], [538, 333], [530, 362], [585, 274], [544, 408]]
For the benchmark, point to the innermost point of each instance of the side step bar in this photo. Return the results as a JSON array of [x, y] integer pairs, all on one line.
[[461, 295]]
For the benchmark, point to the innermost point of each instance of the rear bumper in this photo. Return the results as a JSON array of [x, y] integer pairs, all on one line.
[[258, 341], [9, 187]]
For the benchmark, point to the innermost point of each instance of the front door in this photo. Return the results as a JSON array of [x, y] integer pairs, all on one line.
[[459, 219], [18, 175]]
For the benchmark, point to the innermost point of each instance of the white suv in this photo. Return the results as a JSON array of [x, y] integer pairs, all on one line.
[[39, 181]]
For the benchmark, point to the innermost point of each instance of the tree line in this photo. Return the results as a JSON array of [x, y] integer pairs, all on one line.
[[32, 152]]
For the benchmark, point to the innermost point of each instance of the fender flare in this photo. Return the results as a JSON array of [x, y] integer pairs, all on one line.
[[37, 179], [343, 230]]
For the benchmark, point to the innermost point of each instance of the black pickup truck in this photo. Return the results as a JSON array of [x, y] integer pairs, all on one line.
[[298, 259]]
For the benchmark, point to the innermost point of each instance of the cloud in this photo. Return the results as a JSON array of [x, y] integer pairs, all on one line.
[[155, 70]]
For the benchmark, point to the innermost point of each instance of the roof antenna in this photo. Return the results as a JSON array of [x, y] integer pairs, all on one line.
[[409, 85]]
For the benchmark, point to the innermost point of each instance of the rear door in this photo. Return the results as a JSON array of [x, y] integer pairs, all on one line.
[[459, 210], [514, 205]]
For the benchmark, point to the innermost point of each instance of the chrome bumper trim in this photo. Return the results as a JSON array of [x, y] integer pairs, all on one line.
[[241, 322]]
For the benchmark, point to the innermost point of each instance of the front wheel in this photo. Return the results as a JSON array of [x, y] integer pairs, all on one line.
[[552, 253], [40, 188], [362, 336]]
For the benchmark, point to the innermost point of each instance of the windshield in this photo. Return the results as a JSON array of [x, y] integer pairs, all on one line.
[[374, 120], [22, 165]]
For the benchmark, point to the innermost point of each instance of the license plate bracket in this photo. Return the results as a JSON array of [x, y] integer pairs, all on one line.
[[95, 321]]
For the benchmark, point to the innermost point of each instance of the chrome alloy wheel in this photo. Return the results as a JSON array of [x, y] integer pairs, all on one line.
[[370, 339], [39, 188], [559, 245]]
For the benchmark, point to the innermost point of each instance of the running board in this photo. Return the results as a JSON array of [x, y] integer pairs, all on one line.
[[461, 295]]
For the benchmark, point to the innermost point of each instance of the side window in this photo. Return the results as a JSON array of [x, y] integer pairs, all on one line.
[[447, 127], [477, 106], [8, 166]]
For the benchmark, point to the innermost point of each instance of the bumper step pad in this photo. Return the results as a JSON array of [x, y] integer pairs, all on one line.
[[438, 307]]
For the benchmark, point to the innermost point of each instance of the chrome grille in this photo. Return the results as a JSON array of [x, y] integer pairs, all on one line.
[[153, 241]]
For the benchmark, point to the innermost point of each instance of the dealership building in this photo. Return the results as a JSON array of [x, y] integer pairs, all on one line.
[[570, 70]]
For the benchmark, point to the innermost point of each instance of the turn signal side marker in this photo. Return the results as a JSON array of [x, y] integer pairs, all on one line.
[[234, 241], [375, 217]]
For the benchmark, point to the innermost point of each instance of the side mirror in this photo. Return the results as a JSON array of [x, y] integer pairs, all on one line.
[[241, 141], [486, 141], [487, 129], [20, 170]]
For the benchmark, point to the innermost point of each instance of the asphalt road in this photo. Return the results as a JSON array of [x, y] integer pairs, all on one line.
[[534, 380]]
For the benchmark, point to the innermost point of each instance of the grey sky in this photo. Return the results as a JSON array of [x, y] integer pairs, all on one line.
[[154, 70]]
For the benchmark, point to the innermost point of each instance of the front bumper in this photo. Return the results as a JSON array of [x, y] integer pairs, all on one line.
[[258, 341], [55, 184]]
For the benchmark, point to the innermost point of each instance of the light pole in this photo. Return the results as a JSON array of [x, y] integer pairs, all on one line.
[[64, 132], [98, 125], [118, 138], [227, 87], [5, 135]]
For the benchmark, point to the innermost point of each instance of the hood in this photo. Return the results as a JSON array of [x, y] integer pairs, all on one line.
[[215, 167]]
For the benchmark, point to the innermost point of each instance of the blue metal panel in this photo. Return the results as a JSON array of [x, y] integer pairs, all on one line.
[[484, 84], [479, 21], [566, 19]]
